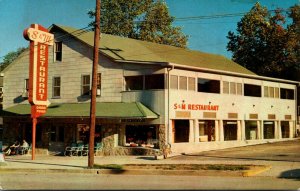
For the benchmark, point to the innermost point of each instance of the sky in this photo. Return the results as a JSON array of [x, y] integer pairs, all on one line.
[[206, 35]]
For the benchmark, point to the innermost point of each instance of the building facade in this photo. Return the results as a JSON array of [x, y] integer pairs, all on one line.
[[148, 95]]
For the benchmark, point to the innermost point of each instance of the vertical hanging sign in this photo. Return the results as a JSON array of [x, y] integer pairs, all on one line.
[[40, 39]]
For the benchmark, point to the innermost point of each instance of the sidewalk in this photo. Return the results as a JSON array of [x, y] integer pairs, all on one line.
[[63, 164], [283, 158]]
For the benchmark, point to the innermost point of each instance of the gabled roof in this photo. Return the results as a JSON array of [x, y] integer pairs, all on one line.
[[126, 49], [103, 110]]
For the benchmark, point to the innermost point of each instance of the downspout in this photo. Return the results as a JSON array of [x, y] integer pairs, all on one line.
[[168, 128]]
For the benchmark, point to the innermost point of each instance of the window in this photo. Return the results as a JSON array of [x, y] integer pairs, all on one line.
[[181, 131], [155, 81], [134, 82], [148, 82], [26, 85], [174, 82], [98, 84], [269, 129], [206, 131], [191, 84], [183, 83], [251, 130], [252, 90], [225, 87], [25, 92], [99, 81], [56, 87], [86, 85], [141, 135], [271, 92], [286, 93], [230, 130], [232, 88], [208, 86], [285, 129], [58, 51]]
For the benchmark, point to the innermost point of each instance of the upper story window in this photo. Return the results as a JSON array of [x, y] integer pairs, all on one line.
[[85, 84], [174, 82], [98, 84], [56, 87], [58, 51], [155, 81], [287, 93], [232, 88], [252, 90], [182, 83], [208, 86], [134, 82], [272, 92], [191, 84], [147, 82]]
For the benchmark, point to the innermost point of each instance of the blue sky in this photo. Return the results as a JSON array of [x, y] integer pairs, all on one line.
[[207, 35]]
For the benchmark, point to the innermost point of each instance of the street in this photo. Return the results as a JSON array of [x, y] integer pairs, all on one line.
[[14, 181]]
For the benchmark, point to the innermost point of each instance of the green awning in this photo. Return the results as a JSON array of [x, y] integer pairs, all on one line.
[[103, 110]]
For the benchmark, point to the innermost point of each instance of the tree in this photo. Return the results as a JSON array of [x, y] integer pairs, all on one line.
[[10, 57], [262, 43], [147, 20]]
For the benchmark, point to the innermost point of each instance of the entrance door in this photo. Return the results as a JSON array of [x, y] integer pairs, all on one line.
[[182, 131], [269, 129], [230, 130], [285, 129]]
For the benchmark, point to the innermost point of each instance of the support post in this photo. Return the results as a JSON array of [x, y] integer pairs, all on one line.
[[34, 122]]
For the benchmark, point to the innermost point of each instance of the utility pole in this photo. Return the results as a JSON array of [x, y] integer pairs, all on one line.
[[94, 86]]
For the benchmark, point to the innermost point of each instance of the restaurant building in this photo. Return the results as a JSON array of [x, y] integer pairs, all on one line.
[[148, 95]]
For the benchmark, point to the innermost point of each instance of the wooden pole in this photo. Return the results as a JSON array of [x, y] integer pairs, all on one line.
[[94, 86]]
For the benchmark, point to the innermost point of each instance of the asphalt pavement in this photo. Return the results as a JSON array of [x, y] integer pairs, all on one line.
[[283, 157]]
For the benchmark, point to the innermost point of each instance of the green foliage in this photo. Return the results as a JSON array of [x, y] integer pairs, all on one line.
[[10, 57], [264, 44], [140, 19], [108, 166]]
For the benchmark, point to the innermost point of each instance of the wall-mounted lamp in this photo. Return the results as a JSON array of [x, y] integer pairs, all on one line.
[[232, 104], [183, 101], [253, 105], [288, 107], [272, 106], [209, 103]]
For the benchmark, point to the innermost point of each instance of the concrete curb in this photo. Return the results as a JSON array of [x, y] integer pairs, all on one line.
[[245, 173]]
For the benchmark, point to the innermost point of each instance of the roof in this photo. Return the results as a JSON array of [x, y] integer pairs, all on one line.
[[127, 49], [103, 110]]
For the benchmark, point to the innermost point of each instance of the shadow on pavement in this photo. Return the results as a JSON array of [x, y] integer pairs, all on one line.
[[291, 174], [241, 158], [40, 163]]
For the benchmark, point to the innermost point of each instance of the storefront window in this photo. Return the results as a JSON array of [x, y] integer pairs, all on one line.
[[285, 129], [251, 130], [181, 131], [206, 131], [269, 129], [141, 135], [230, 130]]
